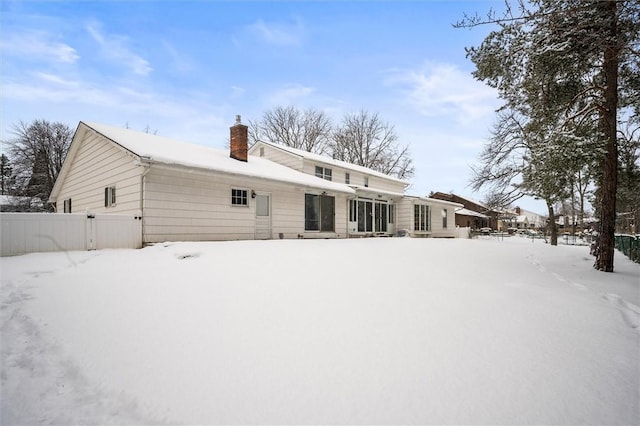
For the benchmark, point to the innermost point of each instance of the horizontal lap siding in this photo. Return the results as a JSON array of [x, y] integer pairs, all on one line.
[[405, 215], [98, 164], [436, 220], [406, 218], [192, 206], [279, 156], [196, 206], [355, 178]]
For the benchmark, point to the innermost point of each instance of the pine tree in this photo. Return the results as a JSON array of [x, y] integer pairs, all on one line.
[[587, 47], [7, 179], [37, 154]]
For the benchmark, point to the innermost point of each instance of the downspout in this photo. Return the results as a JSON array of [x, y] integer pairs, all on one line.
[[143, 175]]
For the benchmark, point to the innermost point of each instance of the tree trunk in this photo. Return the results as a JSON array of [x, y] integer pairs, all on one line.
[[553, 229], [604, 257]]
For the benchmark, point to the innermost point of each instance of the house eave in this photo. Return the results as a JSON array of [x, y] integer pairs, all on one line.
[[162, 164]]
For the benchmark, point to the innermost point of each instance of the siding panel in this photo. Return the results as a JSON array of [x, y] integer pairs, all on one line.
[[97, 164], [181, 205]]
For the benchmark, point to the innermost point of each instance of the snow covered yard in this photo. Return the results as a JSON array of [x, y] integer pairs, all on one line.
[[351, 331]]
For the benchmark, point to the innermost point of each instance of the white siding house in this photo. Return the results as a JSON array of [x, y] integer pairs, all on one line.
[[380, 205], [427, 217], [372, 208], [186, 192], [195, 193]]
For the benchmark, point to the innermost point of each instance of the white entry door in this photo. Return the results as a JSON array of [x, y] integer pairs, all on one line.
[[263, 217]]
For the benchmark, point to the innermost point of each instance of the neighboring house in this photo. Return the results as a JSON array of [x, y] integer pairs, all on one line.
[[190, 192], [474, 214], [530, 219], [521, 222], [466, 218]]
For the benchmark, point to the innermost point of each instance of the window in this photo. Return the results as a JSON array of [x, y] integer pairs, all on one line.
[[347, 178], [110, 196], [380, 216], [239, 197], [352, 210], [444, 218], [323, 173], [420, 217], [365, 216], [391, 213], [366, 181], [67, 205], [262, 205], [319, 212]]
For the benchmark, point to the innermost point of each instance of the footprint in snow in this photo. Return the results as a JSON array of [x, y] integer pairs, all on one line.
[[564, 280], [630, 312], [187, 256], [535, 262], [37, 274]]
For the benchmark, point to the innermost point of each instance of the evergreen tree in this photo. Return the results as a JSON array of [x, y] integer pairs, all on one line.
[[7, 180], [546, 50], [37, 153], [39, 181]]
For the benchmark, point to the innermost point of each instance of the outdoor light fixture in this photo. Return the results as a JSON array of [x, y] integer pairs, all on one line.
[[253, 194]]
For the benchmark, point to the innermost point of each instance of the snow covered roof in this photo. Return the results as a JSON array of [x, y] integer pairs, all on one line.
[[328, 160], [467, 212], [368, 189], [158, 149], [434, 200]]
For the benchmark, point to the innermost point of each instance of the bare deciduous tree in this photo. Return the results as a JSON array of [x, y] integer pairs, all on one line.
[[308, 130], [37, 153], [364, 139]]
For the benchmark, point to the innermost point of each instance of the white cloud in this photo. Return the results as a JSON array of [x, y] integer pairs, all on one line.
[[190, 118], [114, 47], [55, 79], [237, 92], [39, 44], [290, 94], [444, 90], [177, 59], [278, 34]]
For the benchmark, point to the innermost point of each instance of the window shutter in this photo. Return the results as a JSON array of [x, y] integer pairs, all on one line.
[[106, 197]]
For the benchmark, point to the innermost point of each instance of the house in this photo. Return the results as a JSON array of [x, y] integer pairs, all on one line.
[[380, 205], [474, 214], [529, 219], [189, 192]]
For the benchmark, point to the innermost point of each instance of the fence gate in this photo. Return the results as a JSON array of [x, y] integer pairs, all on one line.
[[41, 232]]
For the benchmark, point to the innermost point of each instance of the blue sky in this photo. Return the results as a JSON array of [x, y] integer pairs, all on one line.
[[184, 69]]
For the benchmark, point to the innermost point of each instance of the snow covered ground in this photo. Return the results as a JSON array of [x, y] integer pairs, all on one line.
[[398, 330]]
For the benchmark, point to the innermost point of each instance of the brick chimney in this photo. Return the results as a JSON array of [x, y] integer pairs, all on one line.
[[518, 211], [239, 140]]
